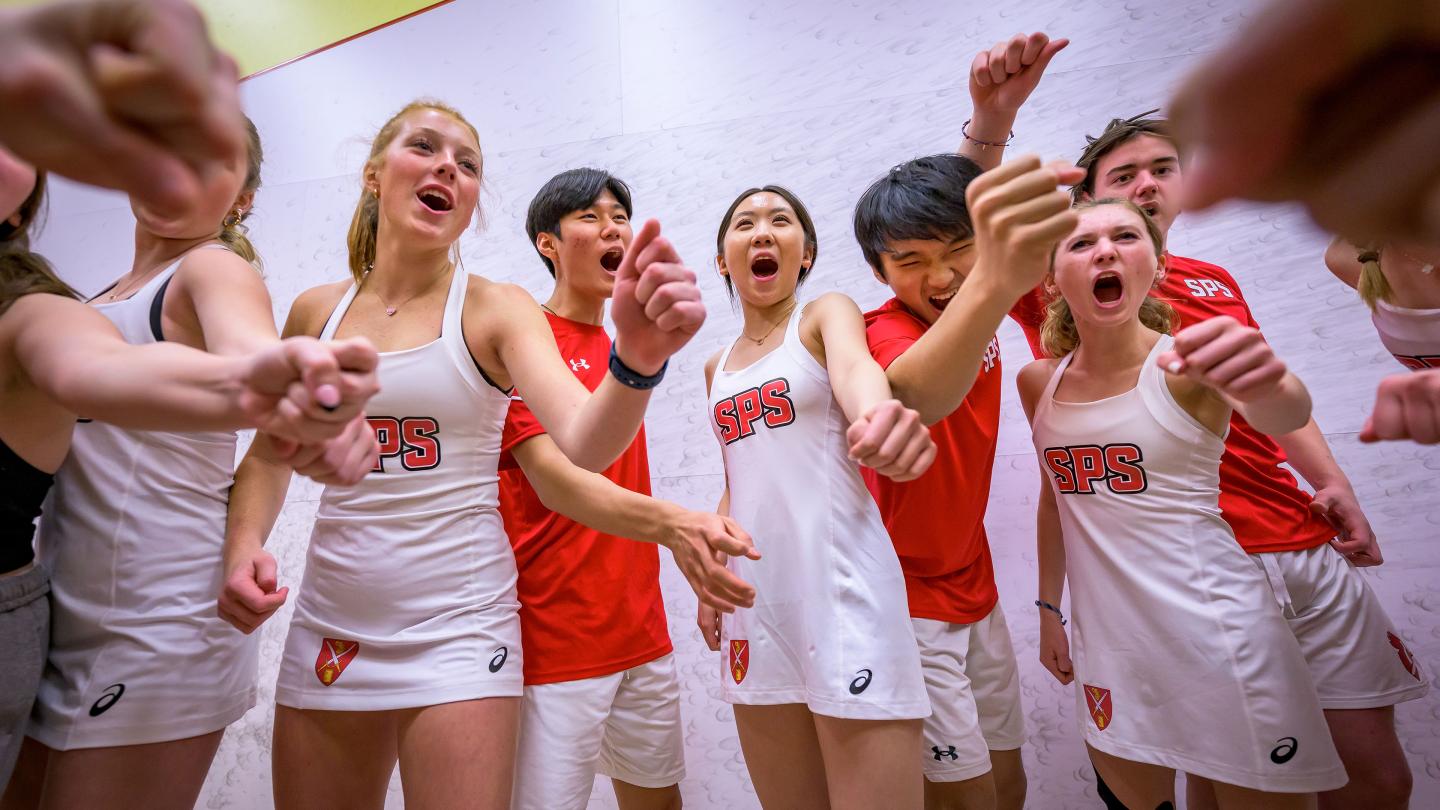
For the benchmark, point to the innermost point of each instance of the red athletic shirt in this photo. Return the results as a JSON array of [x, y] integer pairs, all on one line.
[[937, 521], [589, 602], [1261, 500]]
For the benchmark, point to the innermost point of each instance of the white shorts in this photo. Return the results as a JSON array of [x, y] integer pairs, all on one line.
[[974, 688], [1356, 657], [625, 726]]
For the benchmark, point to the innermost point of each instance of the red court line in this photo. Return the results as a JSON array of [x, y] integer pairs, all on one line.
[[346, 39]]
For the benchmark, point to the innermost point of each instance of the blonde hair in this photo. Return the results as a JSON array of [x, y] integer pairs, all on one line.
[[1059, 335], [1373, 285], [365, 224], [233, 233]]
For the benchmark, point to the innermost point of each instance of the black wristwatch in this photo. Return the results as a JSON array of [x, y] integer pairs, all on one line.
[[631, 378]]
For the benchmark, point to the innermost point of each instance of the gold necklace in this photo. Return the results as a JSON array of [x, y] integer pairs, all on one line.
[[389, 310], [761, 340]]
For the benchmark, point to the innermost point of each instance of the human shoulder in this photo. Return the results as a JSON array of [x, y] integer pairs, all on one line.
[[1031, 382], [1342, 258], [212, 264], [710, 366], [313, 307]]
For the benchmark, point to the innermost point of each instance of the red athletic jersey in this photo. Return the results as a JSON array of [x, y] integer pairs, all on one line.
[[589, 602], [937, 521], [1261, 500]]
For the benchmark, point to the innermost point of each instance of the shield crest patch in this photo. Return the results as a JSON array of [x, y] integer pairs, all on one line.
[[334, 656], [1098, 700], [739, 659]]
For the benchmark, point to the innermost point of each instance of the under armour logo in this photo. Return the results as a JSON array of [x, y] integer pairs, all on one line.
[[949, 752], [582, 363]]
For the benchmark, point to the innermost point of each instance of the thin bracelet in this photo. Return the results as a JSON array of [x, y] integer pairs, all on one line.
[[965, 133], [1052, 609]]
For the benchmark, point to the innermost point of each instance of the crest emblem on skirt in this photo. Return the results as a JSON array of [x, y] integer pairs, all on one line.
[[334, 656], [1406, 657], [1098, 700], [739, 659]]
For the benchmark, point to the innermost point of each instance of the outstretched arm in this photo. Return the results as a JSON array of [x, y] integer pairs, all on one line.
[[656, 309], [1236, 365], [1019, 215], [694, 538], [884, 435]]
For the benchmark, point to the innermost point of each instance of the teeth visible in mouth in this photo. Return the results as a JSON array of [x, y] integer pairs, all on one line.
[[434, 201], [611, 260], [942, 300]]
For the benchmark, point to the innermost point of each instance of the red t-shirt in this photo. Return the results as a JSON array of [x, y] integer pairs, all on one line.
[[590, 603], [1262, 502], [937, 521]]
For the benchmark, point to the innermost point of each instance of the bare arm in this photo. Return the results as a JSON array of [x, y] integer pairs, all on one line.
[[699, 542], [592, 430], [1001, 79], [1049, 540], [95, 373], [222, 302], [1019, 215], [858, 382]]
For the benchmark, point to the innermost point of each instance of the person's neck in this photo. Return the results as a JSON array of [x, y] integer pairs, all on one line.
[[1111, 348], [575, 305], [402, 270], [153, 252], [757, 319]]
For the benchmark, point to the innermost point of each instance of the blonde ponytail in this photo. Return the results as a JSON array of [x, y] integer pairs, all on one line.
[[1372, 285]]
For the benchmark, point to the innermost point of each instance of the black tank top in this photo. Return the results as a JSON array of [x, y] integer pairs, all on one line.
[[22, 490]]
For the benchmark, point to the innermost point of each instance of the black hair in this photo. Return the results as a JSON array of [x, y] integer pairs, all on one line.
[[922, 198], [565, 193], [812, 241]]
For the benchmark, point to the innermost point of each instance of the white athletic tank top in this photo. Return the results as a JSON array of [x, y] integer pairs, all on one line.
[[418, 541], [1412, 335], [1154, 471], [138, 485], [830, 626]]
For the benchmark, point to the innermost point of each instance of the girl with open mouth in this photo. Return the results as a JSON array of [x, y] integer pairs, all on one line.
[[824, 671], [1182, 660]]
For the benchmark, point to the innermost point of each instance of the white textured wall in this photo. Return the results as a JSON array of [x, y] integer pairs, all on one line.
[[690, 102]]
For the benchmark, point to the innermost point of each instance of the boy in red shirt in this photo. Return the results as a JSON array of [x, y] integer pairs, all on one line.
[[601, 692], [1360, 666], [936, 338]]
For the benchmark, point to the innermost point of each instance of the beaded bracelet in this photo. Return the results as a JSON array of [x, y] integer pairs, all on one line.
[[965, 133]]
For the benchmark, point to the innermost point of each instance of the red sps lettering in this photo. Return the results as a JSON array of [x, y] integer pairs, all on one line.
[[736, 416], [1077, 469], [414, 440]]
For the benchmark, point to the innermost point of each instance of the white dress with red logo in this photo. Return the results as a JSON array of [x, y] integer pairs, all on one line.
[[1180, 658], [131, 535], [409, 598], [1412, 335], [830, 627]]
